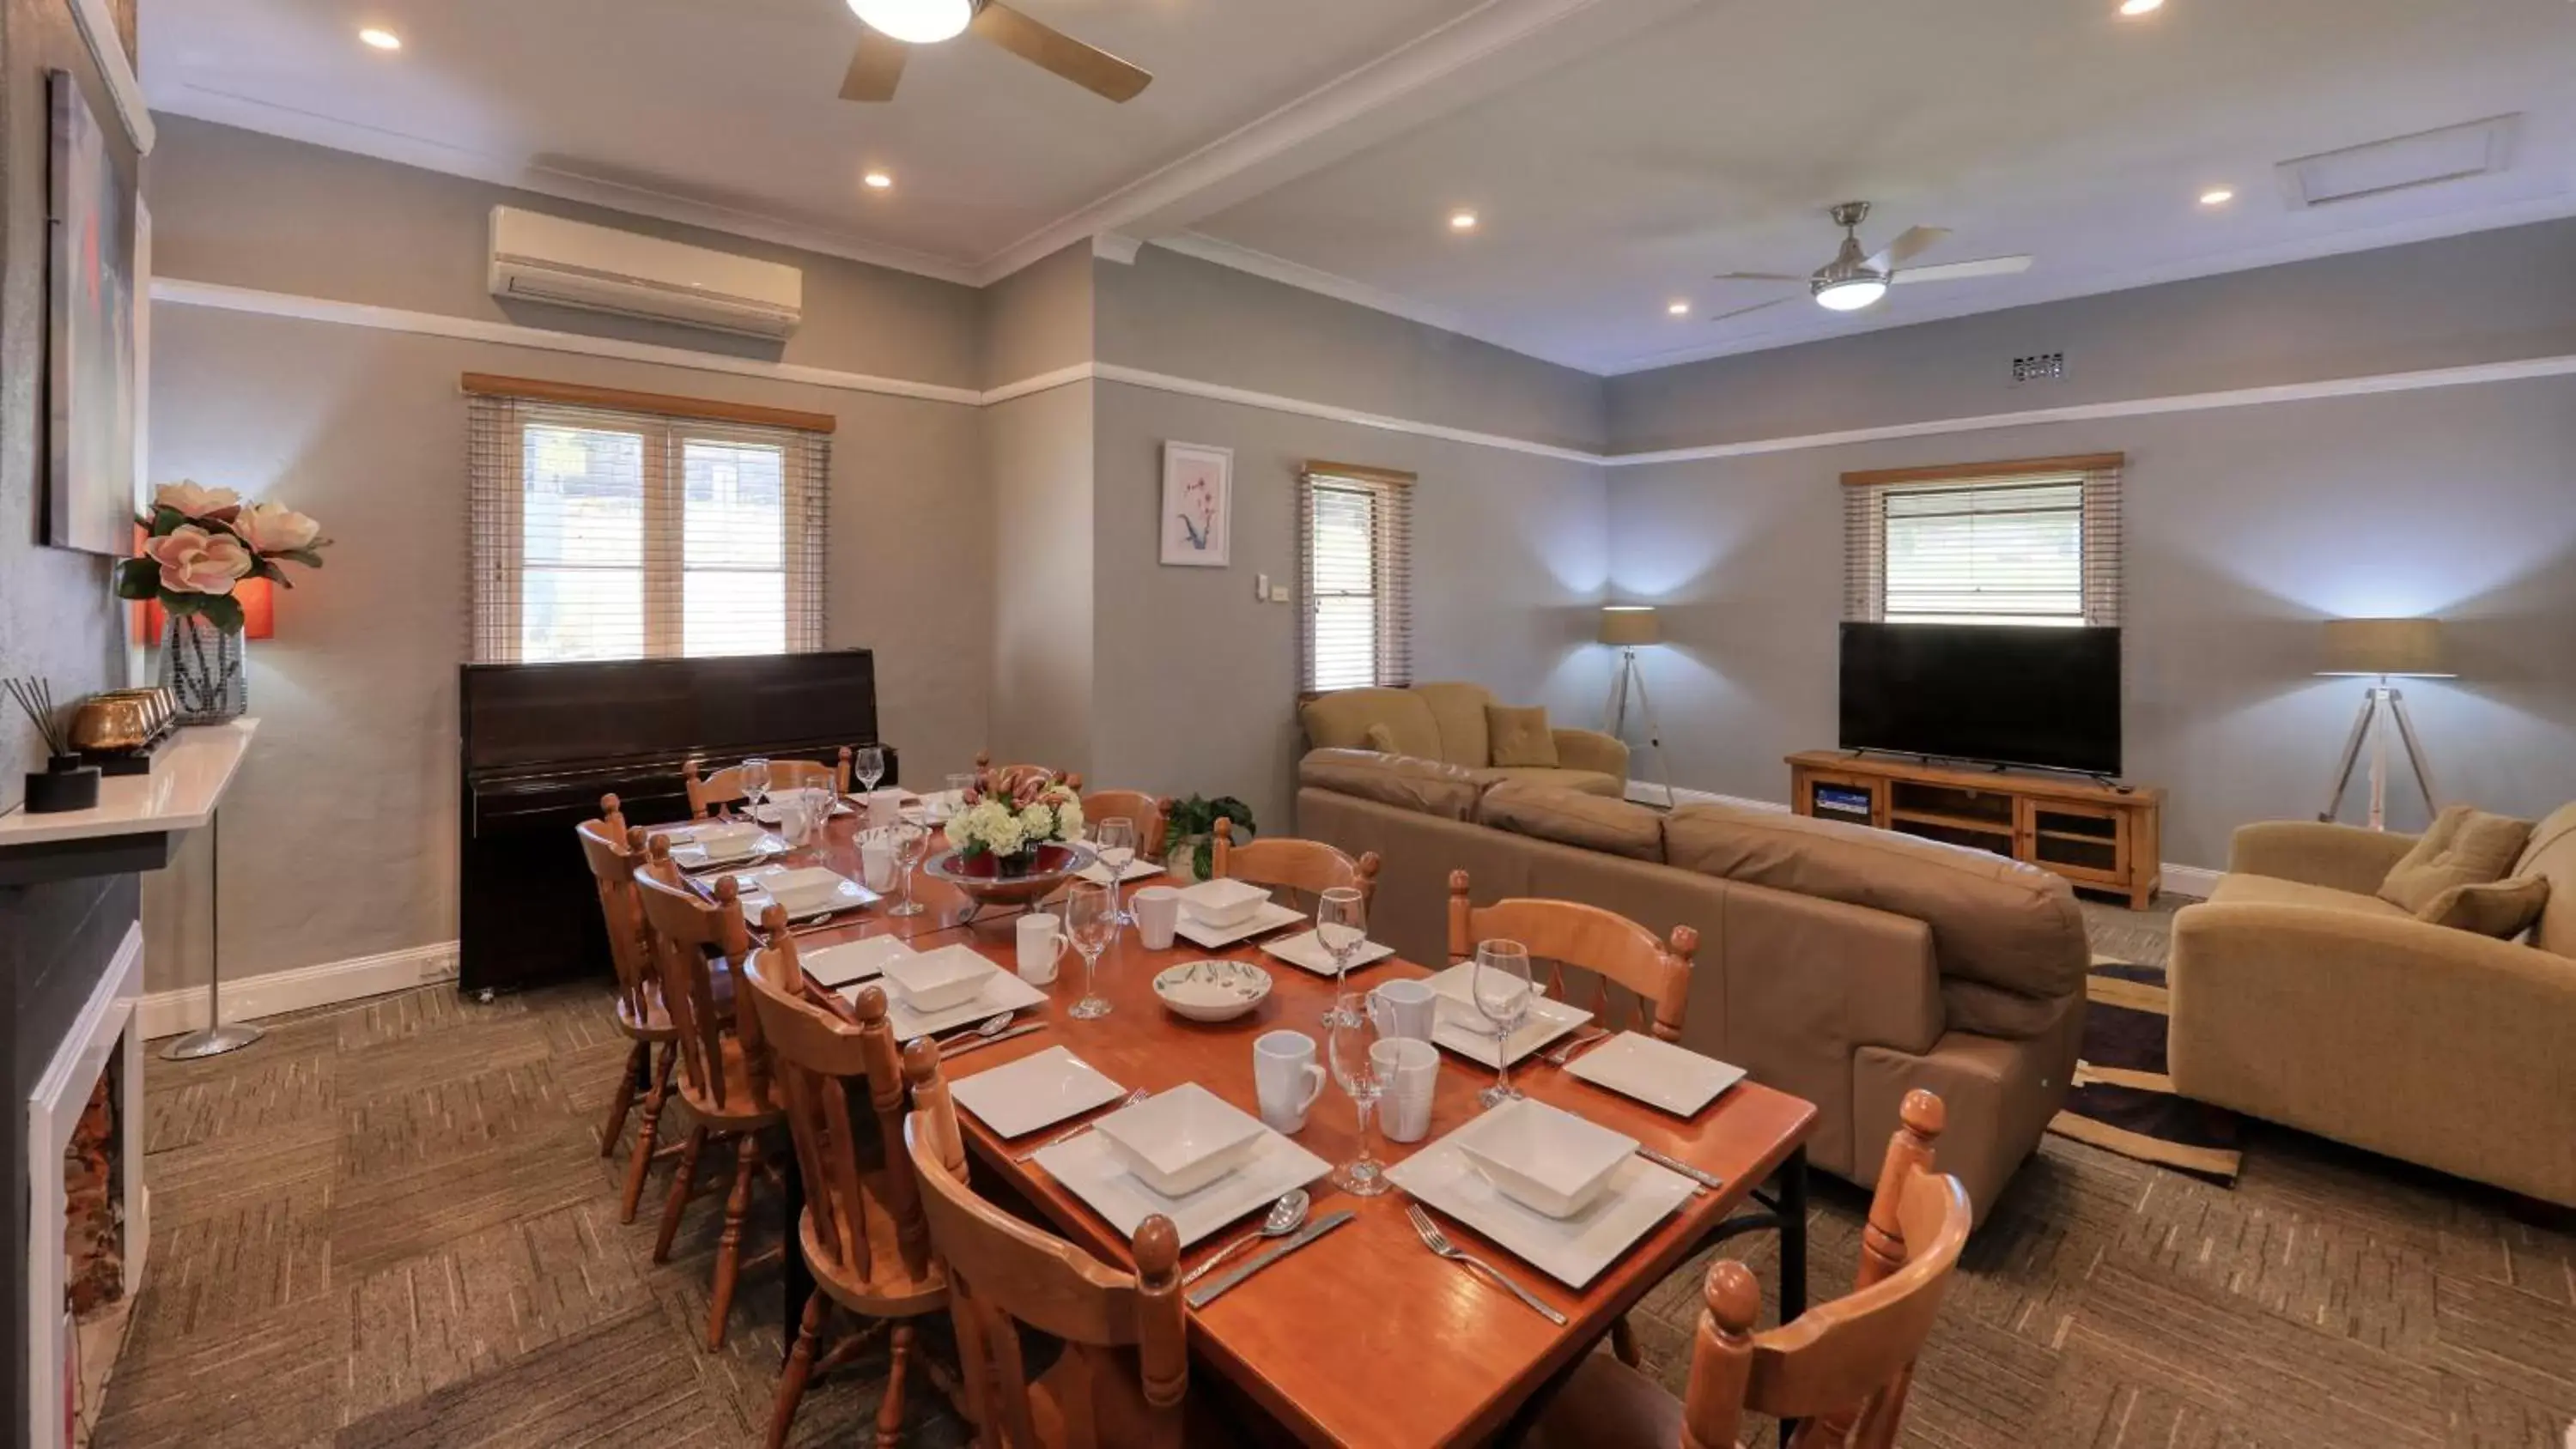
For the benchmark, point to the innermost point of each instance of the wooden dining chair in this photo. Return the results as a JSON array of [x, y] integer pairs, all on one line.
[[1152, 815], [1123, 1380], [724, 1072], [1308, 867], [725, 786], [613, 850], [863, 1232], [1842, 1369]]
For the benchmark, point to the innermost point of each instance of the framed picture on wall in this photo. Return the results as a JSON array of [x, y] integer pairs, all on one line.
[[90, 382], [1198, 505]]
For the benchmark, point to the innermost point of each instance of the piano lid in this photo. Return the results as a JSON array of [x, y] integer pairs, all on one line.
[[517, 715]]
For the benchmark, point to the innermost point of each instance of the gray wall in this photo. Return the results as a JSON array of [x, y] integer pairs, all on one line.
[[1038, 463], [1037, 319]]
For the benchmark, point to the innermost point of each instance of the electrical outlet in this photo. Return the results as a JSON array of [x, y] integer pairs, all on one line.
[[1279, 592]]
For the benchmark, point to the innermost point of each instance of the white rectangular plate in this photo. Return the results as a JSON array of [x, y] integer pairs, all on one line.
[[1461, 1030], [1572, 1250], [1270, 917], [1092, 1172], [1004, 992], [1137, 869], [691, 856], [1305, 951], [1034, 1092], [768, 812], [1656, 1073], [849, 895], [852, 960]]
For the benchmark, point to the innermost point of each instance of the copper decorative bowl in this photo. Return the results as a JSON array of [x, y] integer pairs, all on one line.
[[986, 883]]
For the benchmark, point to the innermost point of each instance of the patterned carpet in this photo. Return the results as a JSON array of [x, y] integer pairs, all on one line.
[[388, 1225]]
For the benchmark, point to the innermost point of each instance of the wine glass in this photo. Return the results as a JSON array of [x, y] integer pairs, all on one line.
[[754, 775], [1504, 994], [868, 763], [911, 843], [1360, 1074], [1341, 928], [1114, 841], [958, 785], [1091, 923]]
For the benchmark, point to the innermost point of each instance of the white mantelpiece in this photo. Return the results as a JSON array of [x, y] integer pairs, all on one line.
[[188, 776]]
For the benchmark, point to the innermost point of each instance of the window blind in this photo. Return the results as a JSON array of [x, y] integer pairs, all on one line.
[[606, 533], [1355, 552], [2040, 546]]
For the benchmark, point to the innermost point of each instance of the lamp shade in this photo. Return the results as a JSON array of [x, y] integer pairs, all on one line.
[[1630, 624], [2384, 646]]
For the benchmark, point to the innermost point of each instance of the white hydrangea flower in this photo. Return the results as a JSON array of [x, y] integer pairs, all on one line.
[[1068, 817], [1038, 821]]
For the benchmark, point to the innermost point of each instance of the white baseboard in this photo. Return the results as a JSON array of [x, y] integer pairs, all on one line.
[[2196, 881], [168, 1013]]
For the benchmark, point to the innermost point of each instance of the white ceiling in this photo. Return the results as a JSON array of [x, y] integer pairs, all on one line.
[[1619, 151]]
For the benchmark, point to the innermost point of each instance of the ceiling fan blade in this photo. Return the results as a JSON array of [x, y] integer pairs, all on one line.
[[1756, 307], [1051, 49], [1913, 242], [1961, 271], [875, 67], [1756, 277]]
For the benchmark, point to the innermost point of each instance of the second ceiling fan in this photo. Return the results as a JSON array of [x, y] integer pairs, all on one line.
[[1852, 281], [894, 27]]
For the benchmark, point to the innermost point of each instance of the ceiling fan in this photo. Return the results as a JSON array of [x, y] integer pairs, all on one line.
[[1852, 281], [894, 27]]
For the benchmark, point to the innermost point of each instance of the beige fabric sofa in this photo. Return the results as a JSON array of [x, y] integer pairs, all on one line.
[[1842, 964], [2302, 998], [1446, 722]]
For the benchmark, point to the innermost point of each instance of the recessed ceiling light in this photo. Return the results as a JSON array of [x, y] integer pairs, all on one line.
[[380, 38], [1462, 221], [877, 181], [1678, 309], [2217, 196], [2140, 7]]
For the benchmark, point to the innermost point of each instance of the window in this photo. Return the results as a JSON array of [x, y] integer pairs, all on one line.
[[1355, 542], [606, 532], [1988, 543]]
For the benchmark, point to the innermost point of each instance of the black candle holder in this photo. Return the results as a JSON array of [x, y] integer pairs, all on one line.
[[64, 784]]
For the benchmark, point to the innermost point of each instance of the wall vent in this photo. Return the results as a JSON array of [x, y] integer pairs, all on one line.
[[2400, 163], [2039, 367]]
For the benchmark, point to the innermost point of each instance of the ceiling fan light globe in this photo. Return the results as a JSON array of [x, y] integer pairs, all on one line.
[[918, 22], [1850, 294]]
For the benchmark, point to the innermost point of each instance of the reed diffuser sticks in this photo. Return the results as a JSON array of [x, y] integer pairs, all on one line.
[[35, 695]]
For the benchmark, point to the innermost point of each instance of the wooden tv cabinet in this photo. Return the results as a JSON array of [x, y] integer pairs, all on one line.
[[2102, 837]]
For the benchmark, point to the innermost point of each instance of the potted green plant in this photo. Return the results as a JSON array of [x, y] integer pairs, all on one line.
[[1193, 833]]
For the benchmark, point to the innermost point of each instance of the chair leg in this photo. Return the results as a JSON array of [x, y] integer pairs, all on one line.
[[890, 1408], [1623, 1342], [679, 1200], [647, 1138], [746, 1164], [800, 1366], [639, 1067]]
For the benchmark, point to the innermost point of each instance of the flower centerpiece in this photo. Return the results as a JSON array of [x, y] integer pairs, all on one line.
[[1010, 814], [199, 545]]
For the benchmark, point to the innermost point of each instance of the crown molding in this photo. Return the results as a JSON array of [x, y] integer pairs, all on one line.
[[1110, 246], [97, 27], [1332, 412], [1332, 284]]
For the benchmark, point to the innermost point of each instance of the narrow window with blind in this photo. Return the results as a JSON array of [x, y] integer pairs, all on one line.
[[608, 532], [1355, 547], [2034, 543]]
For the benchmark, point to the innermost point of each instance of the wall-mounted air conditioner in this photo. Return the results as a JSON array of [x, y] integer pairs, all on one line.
[[540, 258]]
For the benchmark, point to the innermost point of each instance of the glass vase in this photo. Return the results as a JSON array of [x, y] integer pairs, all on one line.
[[203, 668]]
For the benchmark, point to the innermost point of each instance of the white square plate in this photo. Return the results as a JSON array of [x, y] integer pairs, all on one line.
[[1304, 950], [1137, 869], [1003, 991], [1656, 1073], [1461, 1030], [1034, 1092], [1093, 1172], [852, 960], [770, 811], [1270, 917], [1182, 1140], [752, 887], [1572, 1250], [688, 854]]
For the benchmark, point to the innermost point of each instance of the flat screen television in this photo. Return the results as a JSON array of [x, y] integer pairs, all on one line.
[[2006, 694]]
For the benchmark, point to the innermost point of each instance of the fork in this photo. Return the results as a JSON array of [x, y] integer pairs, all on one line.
[[1134, 1097], [1438, 1242], [1575, 1043]]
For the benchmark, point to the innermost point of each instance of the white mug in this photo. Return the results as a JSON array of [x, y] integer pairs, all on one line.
[[1404, 1008], [1411, 1071], [1158, 916], [1041, 943], [798, 812], [876, 863], [1285, 1078], [885, 807]]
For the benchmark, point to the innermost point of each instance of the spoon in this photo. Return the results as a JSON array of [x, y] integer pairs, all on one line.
[[993, 1025], [1286, 1216], [1134, 1097]]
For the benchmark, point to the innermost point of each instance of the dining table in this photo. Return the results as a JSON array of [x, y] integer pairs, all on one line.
[[1363, 1337]]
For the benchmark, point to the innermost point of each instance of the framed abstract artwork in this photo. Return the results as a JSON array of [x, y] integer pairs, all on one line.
[[1198, 505], [91, 387]]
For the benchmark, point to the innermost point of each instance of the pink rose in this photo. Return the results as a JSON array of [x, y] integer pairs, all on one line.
[[195, 500], [275, 528], [194, 561]]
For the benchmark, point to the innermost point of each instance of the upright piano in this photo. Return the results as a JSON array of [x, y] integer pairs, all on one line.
[[542, 743]]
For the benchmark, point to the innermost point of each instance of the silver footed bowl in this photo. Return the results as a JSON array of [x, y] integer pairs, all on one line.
[[984, 881]]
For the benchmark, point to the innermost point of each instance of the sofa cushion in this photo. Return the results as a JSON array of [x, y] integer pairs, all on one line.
[[1380, 738], [2465, 846], [1520, 736], [2237, 888], [2552, 856], [1994, 921], [2503, 909], [1573, 817], [1404, 781], [1340, 721], [1458, 712], [1590, 782]]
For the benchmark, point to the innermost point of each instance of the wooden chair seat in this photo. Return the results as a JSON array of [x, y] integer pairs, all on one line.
[[1608, 1403], [892, 1289], [1118, 1407]]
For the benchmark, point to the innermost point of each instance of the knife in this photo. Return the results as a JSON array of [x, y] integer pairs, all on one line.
[[1207, 1293], [1708, 1180], [972, 1042]]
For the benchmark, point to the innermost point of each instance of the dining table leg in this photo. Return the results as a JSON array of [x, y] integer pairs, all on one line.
[[1792, 1182]]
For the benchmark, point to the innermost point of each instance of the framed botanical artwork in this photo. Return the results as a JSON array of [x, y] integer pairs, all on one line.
[[1198, 505], [90, 378]]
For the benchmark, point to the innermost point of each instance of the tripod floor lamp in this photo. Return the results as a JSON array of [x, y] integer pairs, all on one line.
[[2381, 650], [1628, 628]]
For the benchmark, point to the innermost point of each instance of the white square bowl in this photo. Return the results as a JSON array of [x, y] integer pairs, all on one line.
[[934, 981], [1223, 902], [1548, 1160], [804, 890], [723, 840], [1181, 1140]]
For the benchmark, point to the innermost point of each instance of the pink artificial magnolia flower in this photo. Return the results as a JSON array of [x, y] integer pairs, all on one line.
[[275, 528], [195, 500], [194, 561]]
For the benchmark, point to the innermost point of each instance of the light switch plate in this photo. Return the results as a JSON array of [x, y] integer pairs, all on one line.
[[1261, 586], [1279, 593]]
